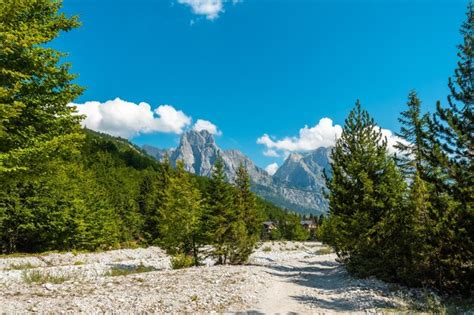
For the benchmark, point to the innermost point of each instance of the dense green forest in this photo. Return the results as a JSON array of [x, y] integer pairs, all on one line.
[[63, 187], [410, 217]]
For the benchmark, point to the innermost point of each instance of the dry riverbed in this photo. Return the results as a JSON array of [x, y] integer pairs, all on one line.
[[282, 277]]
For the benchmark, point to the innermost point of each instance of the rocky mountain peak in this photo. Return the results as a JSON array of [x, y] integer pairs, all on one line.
[[294, 157], [197, 138], [298, 184]]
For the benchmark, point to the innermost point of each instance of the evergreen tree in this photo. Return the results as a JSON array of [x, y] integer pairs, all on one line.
[[365, 189], [38, 132], [455, 125], [151, 198], [247, 224], [220, 213], [292, 230], [246, 203], [414, 131], [36, 123], [181, 215], [453, 156]]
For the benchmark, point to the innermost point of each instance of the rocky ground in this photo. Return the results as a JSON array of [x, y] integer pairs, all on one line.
[[282, 277]]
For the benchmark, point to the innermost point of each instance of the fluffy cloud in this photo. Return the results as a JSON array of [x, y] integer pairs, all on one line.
[[392, 140], [126, 119], [271, 168], [206, 125], [323, 134], [271, 153], [208, 8]]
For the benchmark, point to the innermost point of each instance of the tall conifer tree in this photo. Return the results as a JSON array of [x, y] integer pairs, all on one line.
[[181, 215], [365, 189]]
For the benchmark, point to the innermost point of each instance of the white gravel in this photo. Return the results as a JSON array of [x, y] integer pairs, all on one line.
[[281, 277]]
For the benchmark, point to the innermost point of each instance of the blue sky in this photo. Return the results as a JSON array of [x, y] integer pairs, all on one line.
[[257, 67]]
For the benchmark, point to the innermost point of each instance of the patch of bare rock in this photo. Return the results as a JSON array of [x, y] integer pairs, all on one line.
[[281, 277]]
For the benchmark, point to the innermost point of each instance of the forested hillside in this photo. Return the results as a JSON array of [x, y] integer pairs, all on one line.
[[63, 187]]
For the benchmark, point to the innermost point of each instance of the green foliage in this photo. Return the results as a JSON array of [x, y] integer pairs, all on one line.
[[233, 219], [181, 261], [36, 124], [246, 228], [181, 215], [42, 277], [220, 213], [291, 228], [365, 193], [419, 234], [120, 270]]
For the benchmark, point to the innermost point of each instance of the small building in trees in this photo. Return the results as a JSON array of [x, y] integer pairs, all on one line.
[[308, 225], [269, 226]]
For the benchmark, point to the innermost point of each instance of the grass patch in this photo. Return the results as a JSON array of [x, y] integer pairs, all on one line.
[[21, 266], [78, 263], [42, 277], [324, 251], [122, 270], [267, 249]]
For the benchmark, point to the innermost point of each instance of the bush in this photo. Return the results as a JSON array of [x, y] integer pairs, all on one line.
[[182, 261]]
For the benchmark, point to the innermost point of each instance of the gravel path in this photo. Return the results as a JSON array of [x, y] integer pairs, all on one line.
[[304, 279], [282, 277]]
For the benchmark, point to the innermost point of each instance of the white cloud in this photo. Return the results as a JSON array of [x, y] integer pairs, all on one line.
[[271, 153], [271, 168], [323, 134], [126, 119], [209, 8], [392, 140], [206, 125]]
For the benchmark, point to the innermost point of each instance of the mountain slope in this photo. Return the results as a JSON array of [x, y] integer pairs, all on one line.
[[298, 185]]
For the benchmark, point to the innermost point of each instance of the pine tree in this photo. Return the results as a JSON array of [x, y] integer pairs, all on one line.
[[248, 221], [181, 215], [38, 130], [36, 123], [220, 213], [246, 203], [453, 158], [365, 189], [151, 198], [414, 131], [456, 124]]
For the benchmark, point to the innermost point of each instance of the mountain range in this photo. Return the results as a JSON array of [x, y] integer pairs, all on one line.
[[297, 185]]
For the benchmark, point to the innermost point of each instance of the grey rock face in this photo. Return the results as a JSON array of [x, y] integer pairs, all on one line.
[[297, 185], [305, 170], [157, 153]]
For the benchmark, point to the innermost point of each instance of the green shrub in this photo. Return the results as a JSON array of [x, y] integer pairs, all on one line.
[[267, 249], [182, 261]]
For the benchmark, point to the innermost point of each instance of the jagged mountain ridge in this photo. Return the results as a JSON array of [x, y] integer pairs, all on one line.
[[298, 184]]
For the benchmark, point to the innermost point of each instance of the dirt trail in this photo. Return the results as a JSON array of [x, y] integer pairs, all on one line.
[[304, 279], [278, 298]]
